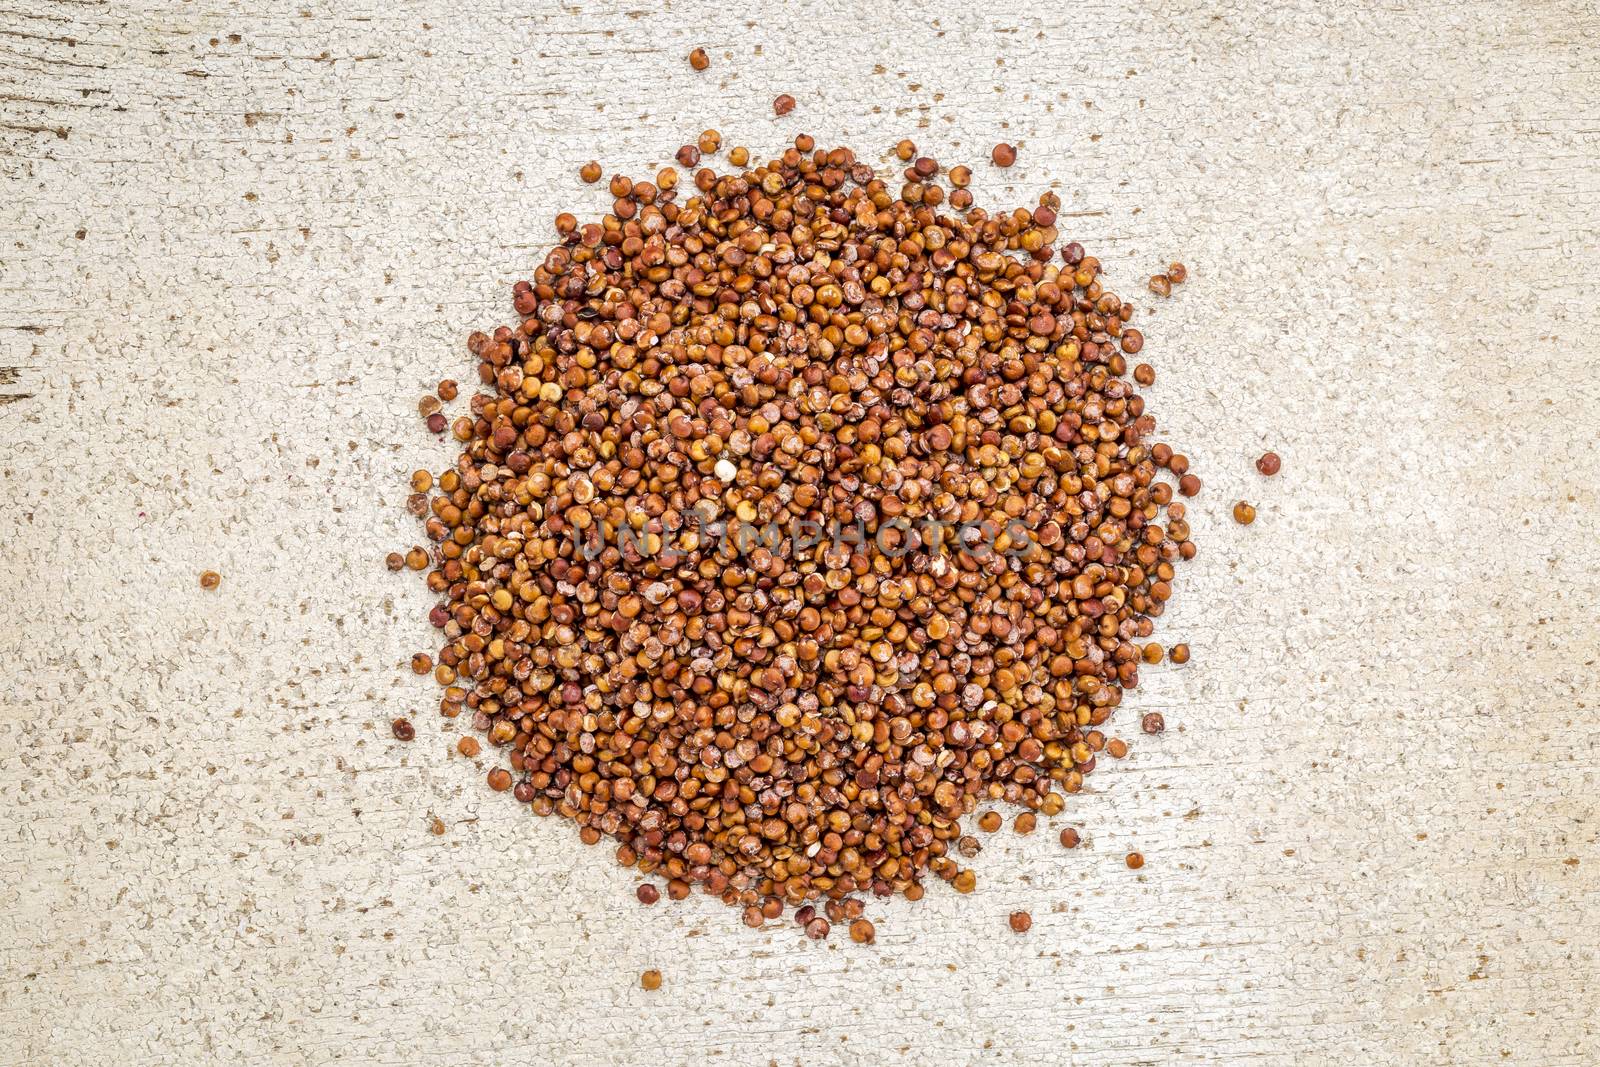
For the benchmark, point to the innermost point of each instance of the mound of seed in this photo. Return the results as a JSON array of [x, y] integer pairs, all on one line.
[[800, 341]]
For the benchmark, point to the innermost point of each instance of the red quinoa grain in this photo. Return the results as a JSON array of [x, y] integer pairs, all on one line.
[[775, 723]]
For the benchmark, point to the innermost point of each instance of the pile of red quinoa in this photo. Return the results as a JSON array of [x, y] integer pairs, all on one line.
[[800, 513]]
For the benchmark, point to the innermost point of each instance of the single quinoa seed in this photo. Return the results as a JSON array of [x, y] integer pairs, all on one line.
[[1177, 273], [783, 105], [1135, 860], [394, 561], [211, 579], [1269, 464], [403, 730], [1070, 838], [1179, 654], [650, 980], [699, 60], [862, 932], [1021, 922], [783, 726], [1243, 513], [1153, 723], [590, 172], [647, 893], [1003, 155], [1161, 285]]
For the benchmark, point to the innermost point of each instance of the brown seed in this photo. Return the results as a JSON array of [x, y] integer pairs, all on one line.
[[1179, 654], [421, 663], [1135, 861], [416, 558], [590, 172], [783, 105], [699, 60], [1153, 723], [965, 882], [688, 155], [436, 423], [1116, 748], [1144, 374], [818, 928], [1003, 155], [1132, 341], [211, 579], [1069, 838], [1025, 823], [739, 155], [447, 390], [862, 932], [1189, 485], [709, 142], [960, 176], [499, 779], [1021, 922], [650, 980], [905, 150], [647, 893], [1177, 273], [403, 730], [468, 746], [989, 821], [1243, 513], [1161, 285], [436, 826], [394, 561], [1269, 464]]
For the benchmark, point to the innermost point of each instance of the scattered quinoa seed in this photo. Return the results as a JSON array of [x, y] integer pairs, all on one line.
[[783, 105], [403, 730], [1003, 155], [210, 579], [1021, 922], [651, 979], [1153, 723], [1069, 838], [590, 172], [862, 932], [699, 60], [1269, 464], [1135, 860], [1243, 513]]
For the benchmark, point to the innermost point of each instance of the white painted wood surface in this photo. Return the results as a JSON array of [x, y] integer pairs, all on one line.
[[238, 241]]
